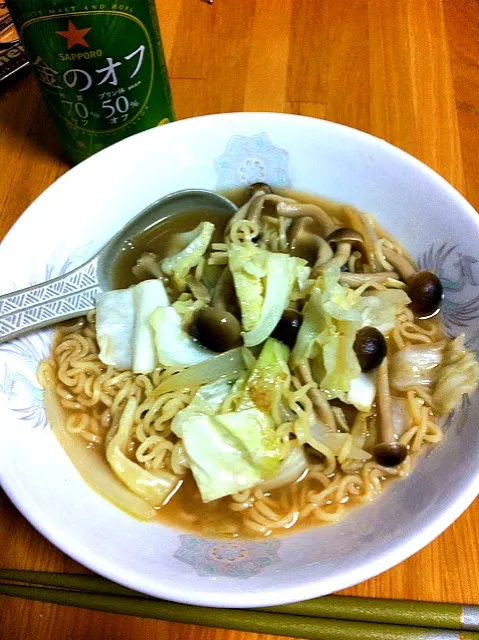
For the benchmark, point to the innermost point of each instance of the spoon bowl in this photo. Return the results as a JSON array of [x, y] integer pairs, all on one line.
[[74, 294]]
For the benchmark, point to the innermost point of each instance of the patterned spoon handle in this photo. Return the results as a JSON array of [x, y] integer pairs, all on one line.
[[68, 296]]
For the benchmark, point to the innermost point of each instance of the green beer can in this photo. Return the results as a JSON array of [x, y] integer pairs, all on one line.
[[100, 67]]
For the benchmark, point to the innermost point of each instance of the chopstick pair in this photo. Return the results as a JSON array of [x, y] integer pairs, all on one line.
[[327, 618]]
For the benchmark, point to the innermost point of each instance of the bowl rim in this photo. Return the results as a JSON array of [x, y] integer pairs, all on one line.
[[53, 532]]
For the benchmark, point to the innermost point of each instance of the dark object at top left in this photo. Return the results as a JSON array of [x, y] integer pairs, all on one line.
[[13, 61]]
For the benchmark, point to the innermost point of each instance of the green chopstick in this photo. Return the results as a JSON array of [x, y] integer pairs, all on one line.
[[238, 619], [406, 612], [71, 581], [338, 608]]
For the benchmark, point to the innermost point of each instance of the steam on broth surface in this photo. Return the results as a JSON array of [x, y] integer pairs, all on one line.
[[288, 363]]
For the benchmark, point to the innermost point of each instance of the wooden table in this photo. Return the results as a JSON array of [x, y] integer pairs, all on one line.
[[405, 70]]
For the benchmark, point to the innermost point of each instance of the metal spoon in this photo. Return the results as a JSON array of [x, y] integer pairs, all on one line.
[[74, 293]]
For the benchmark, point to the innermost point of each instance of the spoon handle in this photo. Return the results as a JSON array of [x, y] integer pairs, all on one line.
[[68, 296]]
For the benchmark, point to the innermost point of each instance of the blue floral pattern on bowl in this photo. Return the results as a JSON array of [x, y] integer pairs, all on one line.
[[456, 271], [21, 390], [235, 559], [247, 160]]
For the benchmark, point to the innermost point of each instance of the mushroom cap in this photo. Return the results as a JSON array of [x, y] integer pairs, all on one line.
[[390, 454], [345, 234], [259, 187], [370, 348], [425, 291], [216, 329], [287, 329], [303, 236]]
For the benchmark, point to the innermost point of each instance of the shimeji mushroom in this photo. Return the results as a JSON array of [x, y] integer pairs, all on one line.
[[291, 209], [342, 241], [424, 287], [216, 329], [306, 242], [287, 329], [252, 208], [356, 280], [389, 452], [370, 348], [224, 294], [147, 265]]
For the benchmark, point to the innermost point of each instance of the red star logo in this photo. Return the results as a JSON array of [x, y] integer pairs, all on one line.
[[74, 35]]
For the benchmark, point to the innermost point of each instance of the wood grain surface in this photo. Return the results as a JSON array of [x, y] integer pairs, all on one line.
[[405, 70]]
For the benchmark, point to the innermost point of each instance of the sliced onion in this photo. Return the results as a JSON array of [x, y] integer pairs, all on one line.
[[343, 447], [401, 416], [229, 364], [94, 468]]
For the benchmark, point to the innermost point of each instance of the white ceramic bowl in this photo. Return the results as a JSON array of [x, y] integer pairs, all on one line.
[[83, 209]]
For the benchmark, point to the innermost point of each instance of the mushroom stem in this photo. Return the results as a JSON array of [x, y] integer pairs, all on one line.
[[306, 243], [296, 210], [355, 280], [224, 296], [384, 403], [255, 208], [318, 398], [388, 452], [400, 263], [325, 252], [343, 251], [251, 209], [148, 262]]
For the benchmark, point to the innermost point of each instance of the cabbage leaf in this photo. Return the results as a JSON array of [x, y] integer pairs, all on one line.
[[179, 264], [230, 452], [417, 364], [282, 272], [207, 400], [329, 329], [147, 296], [115, 319], [263, 283], [331, 319], [268, 377], [247, 264], [458, 375], [175, 347]]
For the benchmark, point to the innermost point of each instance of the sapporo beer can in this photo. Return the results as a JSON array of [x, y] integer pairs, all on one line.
[[100, 67]]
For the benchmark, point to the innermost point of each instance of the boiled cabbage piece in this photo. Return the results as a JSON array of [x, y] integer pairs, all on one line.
[[263, 283], [331, 319], [180, 264], [147, 296], [458, 375], [230, 452], [343, 446], [206, 401], [248, 266], [114, 327], [362, 392], [416, 365], [174, 346], [123, 331], [268, 378]]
